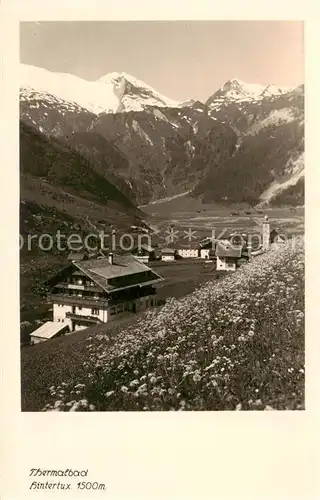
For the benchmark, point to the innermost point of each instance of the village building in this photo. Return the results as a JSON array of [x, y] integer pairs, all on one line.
[[144, 253], [205, 253], [228, 256], [168, 254], [96, 290], [207, 249], [47, 331], [188, 251]]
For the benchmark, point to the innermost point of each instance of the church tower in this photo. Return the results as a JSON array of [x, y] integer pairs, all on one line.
[[266, 234]]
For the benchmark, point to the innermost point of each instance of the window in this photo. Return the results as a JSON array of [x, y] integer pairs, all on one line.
[[113, 311], [62, 321], [95, 311], [80, 308]]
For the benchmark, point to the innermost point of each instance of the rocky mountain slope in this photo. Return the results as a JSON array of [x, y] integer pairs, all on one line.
[[269, 159], [244, 143], [149, 154], [54, 176]]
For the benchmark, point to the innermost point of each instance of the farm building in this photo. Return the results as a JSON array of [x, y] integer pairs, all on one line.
[[144, 253], [227, 256], [207, 248], [188, 251], [95, 290], [168, 254], [48, 331], [207, 254]]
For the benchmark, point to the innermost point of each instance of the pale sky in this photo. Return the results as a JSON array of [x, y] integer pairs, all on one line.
[[181, 60]]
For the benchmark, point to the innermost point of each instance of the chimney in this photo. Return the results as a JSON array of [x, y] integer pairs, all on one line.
[[110, 258]]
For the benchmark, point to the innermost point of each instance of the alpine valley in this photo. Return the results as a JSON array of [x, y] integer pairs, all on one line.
[[92, 153]]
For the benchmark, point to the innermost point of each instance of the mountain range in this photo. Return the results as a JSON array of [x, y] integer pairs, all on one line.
[[244, 144]]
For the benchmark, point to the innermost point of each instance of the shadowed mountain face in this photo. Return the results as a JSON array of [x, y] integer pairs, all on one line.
[[55, 175], [245, 143]]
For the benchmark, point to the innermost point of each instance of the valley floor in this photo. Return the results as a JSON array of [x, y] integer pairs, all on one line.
[[186, 212]]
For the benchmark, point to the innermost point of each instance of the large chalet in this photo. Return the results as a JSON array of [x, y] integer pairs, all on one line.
[[96, 290]]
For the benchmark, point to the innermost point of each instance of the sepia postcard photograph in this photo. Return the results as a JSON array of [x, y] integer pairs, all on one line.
[[160, 201], [162, 216]]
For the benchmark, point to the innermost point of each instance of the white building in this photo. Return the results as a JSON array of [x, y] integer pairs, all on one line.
[[227, 256], [168, 254], [205, 253], [144, 253], [96, 290], [190, 252], [47, 331]]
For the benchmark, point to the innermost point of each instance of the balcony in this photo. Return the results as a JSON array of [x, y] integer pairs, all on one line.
[[74, 286], [85, 319], [65, 298]]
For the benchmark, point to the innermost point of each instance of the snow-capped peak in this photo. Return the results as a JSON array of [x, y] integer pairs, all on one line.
[[236, 88], [114, 92], [134, 94]]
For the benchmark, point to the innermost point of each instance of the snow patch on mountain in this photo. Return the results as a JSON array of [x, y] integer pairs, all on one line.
[[93, 96], [114, 92], [136, 127], [237, 91], [294, 172], [160, 116], [277, 116]]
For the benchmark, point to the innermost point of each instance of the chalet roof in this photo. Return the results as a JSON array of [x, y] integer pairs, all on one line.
[[101, 270], [192, 245], [207, 243], [168, 251], [225, 249], [48, 329]]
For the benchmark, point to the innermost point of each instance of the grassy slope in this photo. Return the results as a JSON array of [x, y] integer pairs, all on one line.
[[236, 344]]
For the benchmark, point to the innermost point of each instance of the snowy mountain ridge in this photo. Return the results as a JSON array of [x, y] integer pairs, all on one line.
[[237, 91], [120, 92], [114, 92]]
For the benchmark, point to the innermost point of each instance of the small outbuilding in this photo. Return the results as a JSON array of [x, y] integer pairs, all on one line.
[[144, 253], [168, 254], [48, 331], [227, 256]]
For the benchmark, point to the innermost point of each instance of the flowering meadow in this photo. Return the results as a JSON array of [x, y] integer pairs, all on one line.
[[233, 344]]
